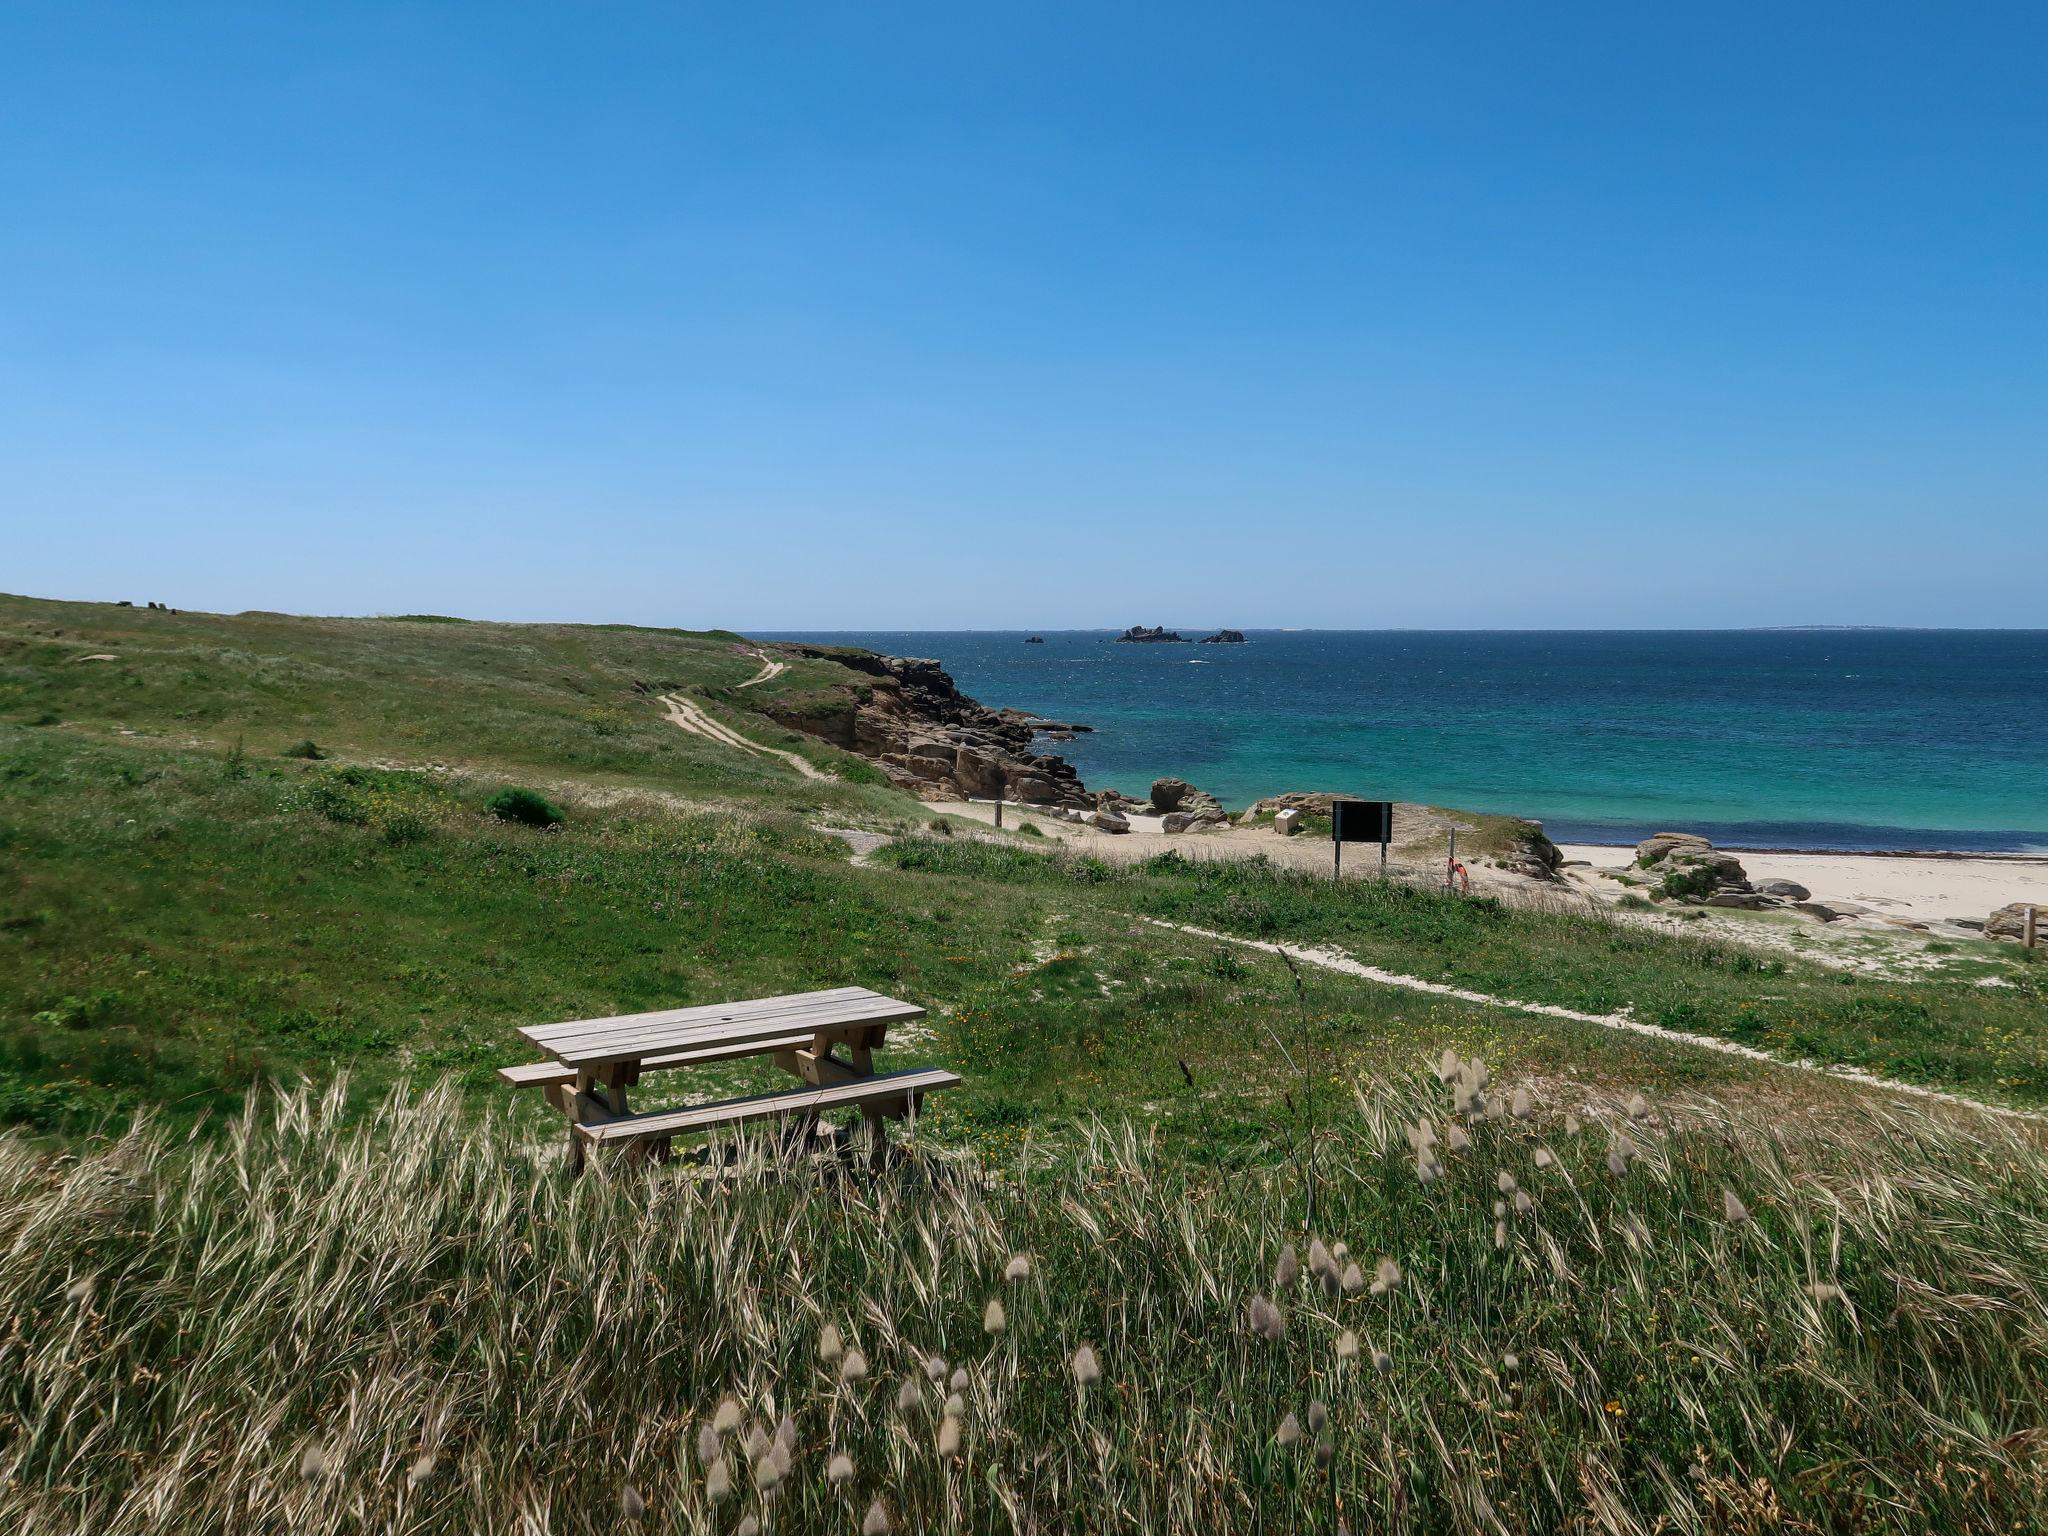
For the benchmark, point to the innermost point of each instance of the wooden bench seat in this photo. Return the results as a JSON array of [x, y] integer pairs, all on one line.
[[871, 1094], [548, 1074]]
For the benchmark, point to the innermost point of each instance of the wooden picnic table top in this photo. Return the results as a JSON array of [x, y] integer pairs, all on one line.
[[630, 1037]]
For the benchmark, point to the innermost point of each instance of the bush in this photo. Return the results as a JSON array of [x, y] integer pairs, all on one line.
[[309, 749], [526, 806], [940, 825], [1694, 883], [1028, 829]]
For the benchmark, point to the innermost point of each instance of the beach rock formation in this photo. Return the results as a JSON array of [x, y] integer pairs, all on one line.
[[1308, 802], [908, 717], [1692, 869], [1785, 890], [1534, 855], [1223, 637], [1111, 821], [1138, 634], [1183, 807], [2010, 921]]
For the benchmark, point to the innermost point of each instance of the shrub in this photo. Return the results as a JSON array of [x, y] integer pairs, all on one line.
[[940, 825], [526, 806], [1028, 829], [1694, 883], [309, 749]]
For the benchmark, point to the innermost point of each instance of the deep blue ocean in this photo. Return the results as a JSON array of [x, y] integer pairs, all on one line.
[[1846, 739]]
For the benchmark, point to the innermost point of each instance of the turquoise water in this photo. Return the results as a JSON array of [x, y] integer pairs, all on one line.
[[1860, 739]]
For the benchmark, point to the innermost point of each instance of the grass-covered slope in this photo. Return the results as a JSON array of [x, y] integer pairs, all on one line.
[[417, 1325]]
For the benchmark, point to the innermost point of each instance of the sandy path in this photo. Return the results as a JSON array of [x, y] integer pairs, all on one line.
[[769, 669], [681, 712], [1332, 960]]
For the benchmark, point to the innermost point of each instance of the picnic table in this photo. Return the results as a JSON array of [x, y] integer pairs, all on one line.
[[594, 1062]]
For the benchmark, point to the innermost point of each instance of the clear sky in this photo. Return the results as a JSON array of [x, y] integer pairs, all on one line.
[[995, 315]]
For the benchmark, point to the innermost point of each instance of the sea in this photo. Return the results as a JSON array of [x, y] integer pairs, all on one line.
[[1839, 739]]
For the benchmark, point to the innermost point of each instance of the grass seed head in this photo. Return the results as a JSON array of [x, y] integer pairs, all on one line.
[[1265, 1320], [718, 1482], [839, 1472], [1732, 1208], [1519, 1106], [757, 1443], [1505, 1182], [876, 1522], [1354, 1278], [1381, 1360], [1087, 1369], [1019, 1268], [785, 1433], [949, 1437], [935, 1369], [830, 1345], [956, 1405], [1347, 1345], [710, 1444], [1385, 1275], [1638, 1107], [907, 1395], [768, 1473], [1447, 1067], [1455, 1138], [1822, 1291], [1544, 1158], [313, 1463], [422, 1468], [1289, 1432], [727, 1419], [1286, 1271], [1523, 1204], [1318, 1258], [960, 1380], [854, 1367], [750, 1525], [993, 1318], [79, 1291], [1326, 1451], [631, 1504], [1318, 1417], [1500, 1234]]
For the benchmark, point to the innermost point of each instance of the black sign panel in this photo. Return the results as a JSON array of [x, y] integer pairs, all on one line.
[[1361, 821]]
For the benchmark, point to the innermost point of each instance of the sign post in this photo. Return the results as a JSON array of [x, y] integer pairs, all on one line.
[[1359, 821]]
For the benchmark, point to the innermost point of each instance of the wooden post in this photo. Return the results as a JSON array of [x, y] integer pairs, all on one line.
[[1451, 863], [999, 813], [2033, 929]]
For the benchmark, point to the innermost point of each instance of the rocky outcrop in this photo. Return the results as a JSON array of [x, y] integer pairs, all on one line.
[[1533, 854], [1223, 637], [1034, 639], [907, 716], [2010, 922], [1138, 634], [1308, 802], [1183, 807], [1785, 890], [1689, 868]]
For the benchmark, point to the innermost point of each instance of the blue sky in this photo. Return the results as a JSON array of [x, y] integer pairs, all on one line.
[[1030, 315]]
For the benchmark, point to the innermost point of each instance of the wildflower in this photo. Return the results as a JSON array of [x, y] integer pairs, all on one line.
[[1523, 1204], [935, 1369], [993, 1320], [1289, 1433], [877, 1521], [631, 1505], [840, 1470], [727, 1419], [1347, 1345], [854, 1367], [1519, 1106], [1732, 1208], [1087, 1369], [1019, 1268], [422, 1468], [313, 1464], [1505, 1181], [1385, 1276], [1638, 1107], [830, 1345], [718, 1482], [907, 1395], [1286, 1271], [1544, 1157], [1381, 1360], [949, 1437], [1318, 1416], [1455, 1138], [1354, 1279], [709, 1446]]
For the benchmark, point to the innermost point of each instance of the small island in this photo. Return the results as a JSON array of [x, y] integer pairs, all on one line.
[[1224, 637], [1034, 639], [1138, 634]]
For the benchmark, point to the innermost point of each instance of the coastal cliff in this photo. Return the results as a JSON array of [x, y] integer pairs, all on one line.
[[907, 716]]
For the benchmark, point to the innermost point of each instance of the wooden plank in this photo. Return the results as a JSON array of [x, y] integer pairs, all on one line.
[[705, 1012], [640, 1032], [530, 1074], [584, 1052], [770, 1106]]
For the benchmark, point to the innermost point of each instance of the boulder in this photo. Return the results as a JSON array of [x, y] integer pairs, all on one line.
[[979, 772], [1652, 849], [1179, 795], [1534, 855], [1034, 789], [1787, 890], [1745, 901], [1815, 909], [1110, 821], [1192, 821], [2010, 921]]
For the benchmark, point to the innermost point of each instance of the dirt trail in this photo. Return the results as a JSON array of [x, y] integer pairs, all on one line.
[[769, 669], [681, 712], [1333, 960]]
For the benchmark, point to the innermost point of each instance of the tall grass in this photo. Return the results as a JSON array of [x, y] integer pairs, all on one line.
[[417, 1324]]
